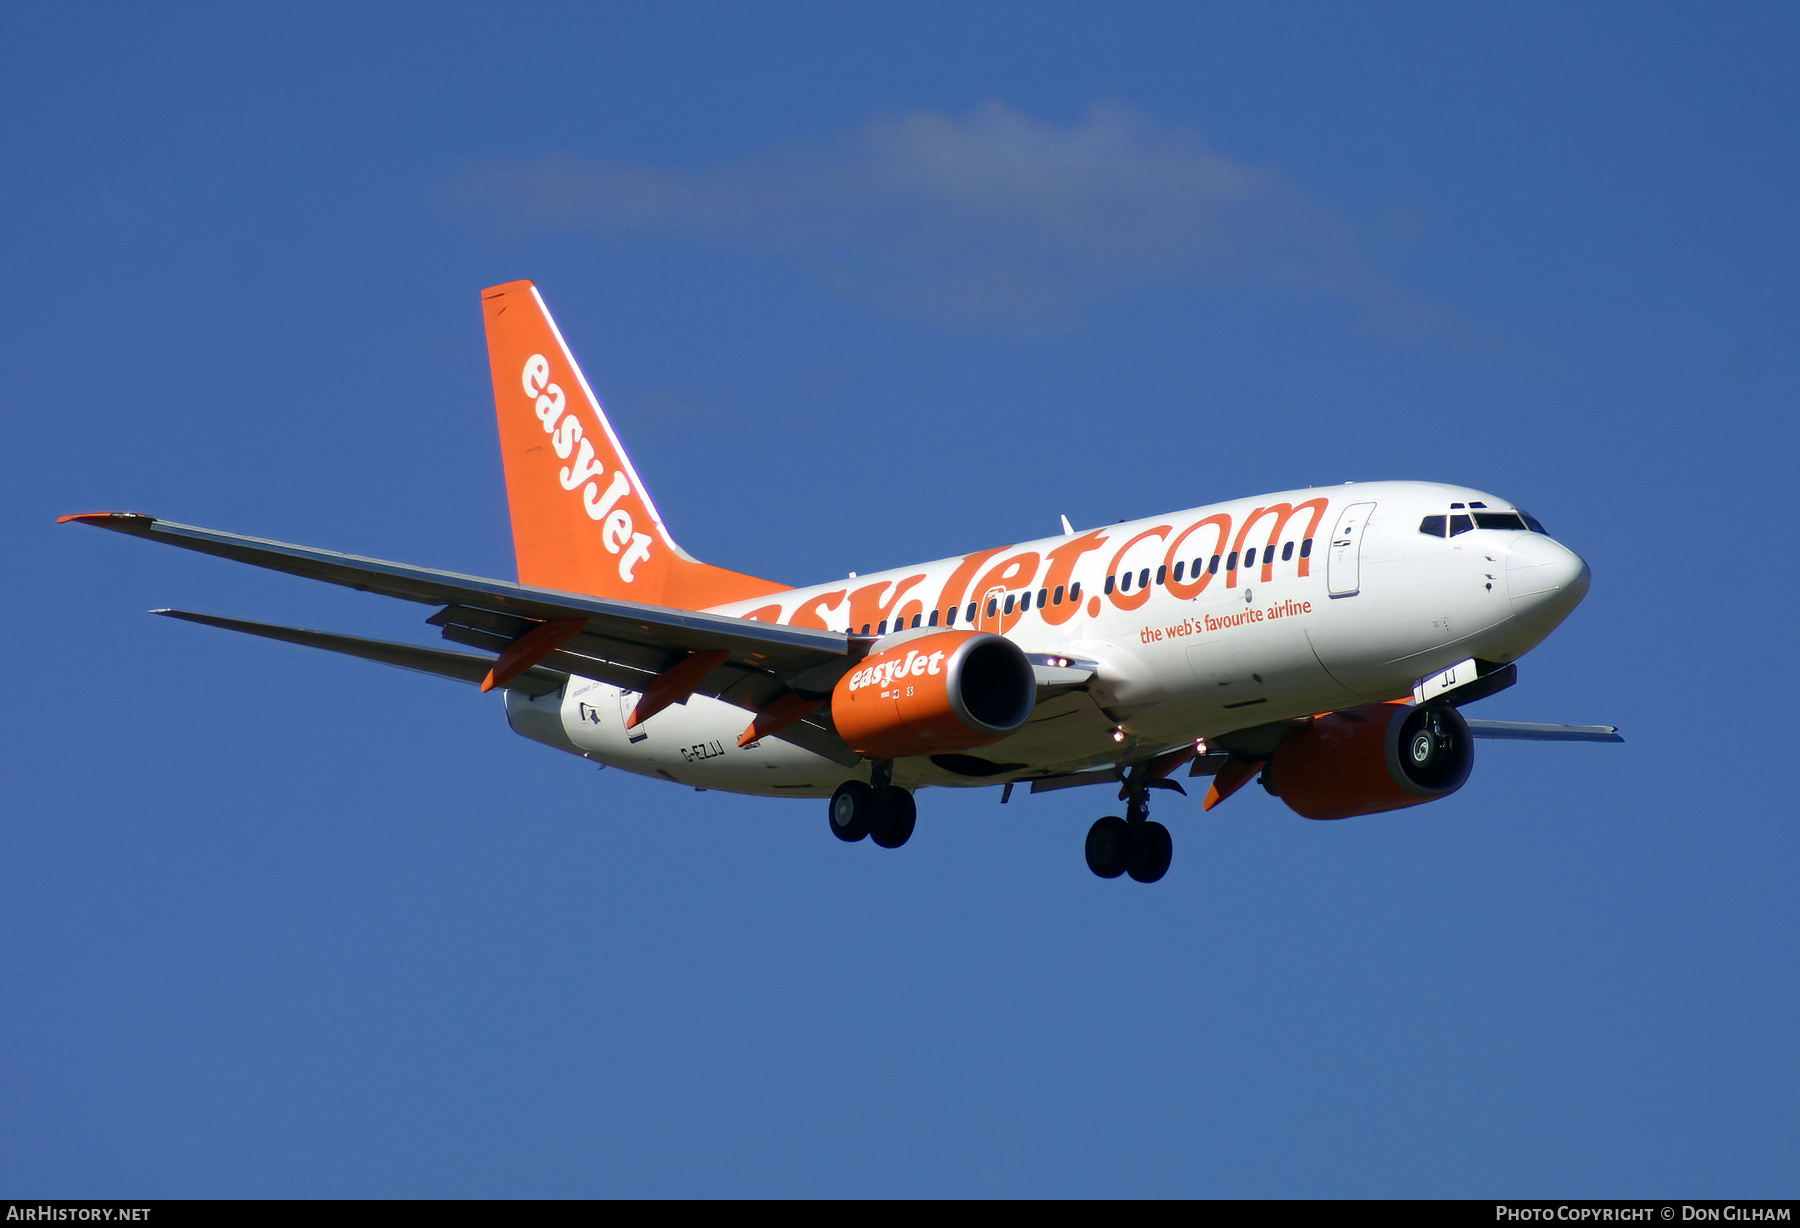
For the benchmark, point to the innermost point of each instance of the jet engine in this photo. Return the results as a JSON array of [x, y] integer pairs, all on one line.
[[935, 692], [1375, 757]]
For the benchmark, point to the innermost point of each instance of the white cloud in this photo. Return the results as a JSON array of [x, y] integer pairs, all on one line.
[[991, 218]]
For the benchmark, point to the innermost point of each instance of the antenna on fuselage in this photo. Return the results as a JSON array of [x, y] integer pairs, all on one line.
[[1068, 529]]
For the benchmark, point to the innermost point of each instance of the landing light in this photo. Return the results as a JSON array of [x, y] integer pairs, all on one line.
[[1118, 734]]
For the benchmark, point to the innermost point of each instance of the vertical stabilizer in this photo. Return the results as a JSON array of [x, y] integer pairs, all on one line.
[[582, 520]]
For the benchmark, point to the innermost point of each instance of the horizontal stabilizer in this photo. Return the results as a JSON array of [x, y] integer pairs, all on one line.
[[772, 645], [445, 664], [1532, 731]]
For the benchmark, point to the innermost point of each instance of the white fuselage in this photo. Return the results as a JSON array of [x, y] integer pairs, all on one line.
[[1369, 607]]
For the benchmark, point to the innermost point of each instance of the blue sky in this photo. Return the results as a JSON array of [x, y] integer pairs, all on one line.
[[862, 285]]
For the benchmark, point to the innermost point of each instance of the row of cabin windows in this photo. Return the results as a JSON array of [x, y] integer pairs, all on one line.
[[1475, 516], [1014, 601], [1123, 583], [1210, 566]]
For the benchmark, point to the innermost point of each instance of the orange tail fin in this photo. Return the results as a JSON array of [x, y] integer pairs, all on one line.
[[582, 520]]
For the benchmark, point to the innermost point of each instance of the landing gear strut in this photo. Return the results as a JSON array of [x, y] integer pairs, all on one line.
[[1136, 844], [880, 810]]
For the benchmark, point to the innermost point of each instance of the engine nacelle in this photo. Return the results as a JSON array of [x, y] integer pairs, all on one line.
[[936, 692], [1372, 758]]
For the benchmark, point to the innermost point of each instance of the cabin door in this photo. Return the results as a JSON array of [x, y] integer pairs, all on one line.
[[1343, 567]]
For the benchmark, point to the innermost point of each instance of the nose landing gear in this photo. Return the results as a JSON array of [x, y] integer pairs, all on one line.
[[1136, 844]]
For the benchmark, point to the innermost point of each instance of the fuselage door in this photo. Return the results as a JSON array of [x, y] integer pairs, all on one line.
[[627, 701], [1343, 576], [984, 621]]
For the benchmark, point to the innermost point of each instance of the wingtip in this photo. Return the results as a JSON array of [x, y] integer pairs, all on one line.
[[103, 518]]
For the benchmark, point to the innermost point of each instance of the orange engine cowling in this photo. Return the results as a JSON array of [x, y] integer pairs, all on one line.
[[942, 691], [1372, 758]]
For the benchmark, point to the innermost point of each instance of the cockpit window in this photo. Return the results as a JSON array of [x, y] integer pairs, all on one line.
[[1465, 517], [1498, 520]]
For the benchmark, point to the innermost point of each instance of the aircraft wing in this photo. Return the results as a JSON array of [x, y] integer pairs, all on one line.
[[626, 643]]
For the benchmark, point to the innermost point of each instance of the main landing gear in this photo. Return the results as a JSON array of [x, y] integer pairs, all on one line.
[[1136, 844], [882, 811]]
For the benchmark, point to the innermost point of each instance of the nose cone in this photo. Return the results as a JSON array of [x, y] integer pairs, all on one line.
[[1545, 579]]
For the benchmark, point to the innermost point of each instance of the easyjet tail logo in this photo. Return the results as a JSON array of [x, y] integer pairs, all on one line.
[[585, 473]]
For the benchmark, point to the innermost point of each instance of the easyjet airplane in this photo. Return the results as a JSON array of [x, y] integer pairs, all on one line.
[[1322, 641]]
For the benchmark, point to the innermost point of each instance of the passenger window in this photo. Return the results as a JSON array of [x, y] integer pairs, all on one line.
[[865, 629], [933, 620], [1432, 526], [883, 630], [1009, 603], [1144, 578], [970, 616], [1024, 602], [950, 617], [993, 607], [1249, 558], [1075, 591], [1231, 563], [1059, 593], [1306, 548], [1287, 552], [1125, 583], [1042, 594], [1109, 585], [1162, 574], [1212, 568], [1460, 524], [1178, 570], [915, 621]]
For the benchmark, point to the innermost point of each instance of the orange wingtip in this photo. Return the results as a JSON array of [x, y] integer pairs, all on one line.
[[97, 517]]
